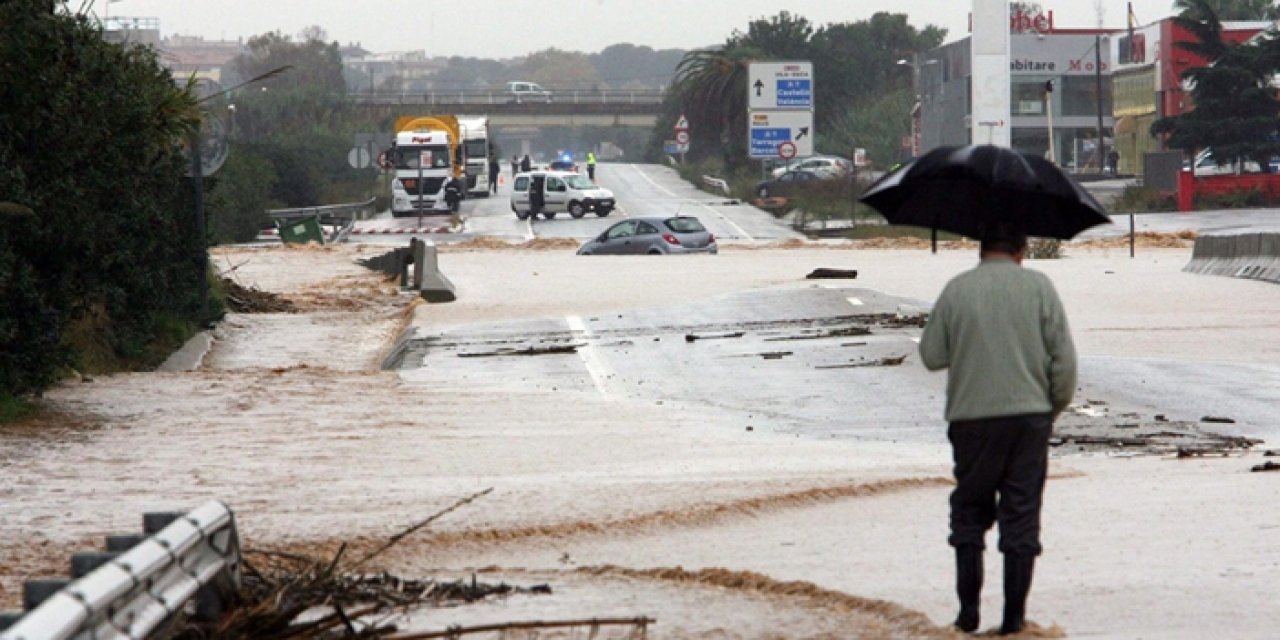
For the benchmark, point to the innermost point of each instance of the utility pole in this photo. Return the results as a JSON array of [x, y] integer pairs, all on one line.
[[1097, 75]]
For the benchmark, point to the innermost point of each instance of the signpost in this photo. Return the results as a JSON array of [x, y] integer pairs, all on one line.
[[780, 97], [682, 137]]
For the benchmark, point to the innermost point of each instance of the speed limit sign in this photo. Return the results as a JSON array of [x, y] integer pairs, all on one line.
[[682, 137], [787, 150]]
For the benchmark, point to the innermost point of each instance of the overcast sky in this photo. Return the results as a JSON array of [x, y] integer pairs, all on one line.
[[508, 28]]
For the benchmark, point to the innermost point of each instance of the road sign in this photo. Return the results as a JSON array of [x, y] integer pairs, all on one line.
[[682, 124], [769, 129], [671, 147], [780, 85], [358, 158], [787, 150], [682, 137]]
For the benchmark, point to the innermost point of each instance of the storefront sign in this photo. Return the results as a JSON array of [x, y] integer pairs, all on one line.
[[1026, 22]]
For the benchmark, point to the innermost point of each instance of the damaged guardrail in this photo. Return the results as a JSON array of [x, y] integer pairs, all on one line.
[[192, 564], [341, 217]]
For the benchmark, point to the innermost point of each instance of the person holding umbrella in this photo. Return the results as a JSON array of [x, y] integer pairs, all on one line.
[[1001, 332]]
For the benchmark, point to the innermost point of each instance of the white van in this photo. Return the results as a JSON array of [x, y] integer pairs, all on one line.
[[527, 92], [562, 192]]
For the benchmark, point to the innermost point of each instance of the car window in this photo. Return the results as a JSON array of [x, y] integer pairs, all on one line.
[[684, 225], [621, 230], [555, 184], [787, 177], [579, 181], [643, 228], [522, 183]]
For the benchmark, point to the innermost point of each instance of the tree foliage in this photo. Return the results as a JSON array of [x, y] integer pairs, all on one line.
[[855, 65], [91, 146], [1235, 105], [294, 130]]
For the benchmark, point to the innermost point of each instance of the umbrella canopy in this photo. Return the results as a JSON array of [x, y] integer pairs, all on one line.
[[962, 189]]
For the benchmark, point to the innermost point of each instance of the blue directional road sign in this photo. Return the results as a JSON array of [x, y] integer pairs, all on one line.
[[795, 92], [765, 141]]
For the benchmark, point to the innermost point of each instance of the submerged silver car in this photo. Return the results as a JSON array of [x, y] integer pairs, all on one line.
[[652, 236]]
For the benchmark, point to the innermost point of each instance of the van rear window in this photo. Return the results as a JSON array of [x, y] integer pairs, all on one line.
[[522, 183]]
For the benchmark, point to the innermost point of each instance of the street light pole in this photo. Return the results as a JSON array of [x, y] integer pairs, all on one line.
[[1097, 76]]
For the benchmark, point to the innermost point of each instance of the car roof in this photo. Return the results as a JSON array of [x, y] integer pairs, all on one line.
[[552, 173], [659, 219]]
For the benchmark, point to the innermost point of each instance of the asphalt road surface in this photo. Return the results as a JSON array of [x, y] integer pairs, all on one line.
[[640, 189]]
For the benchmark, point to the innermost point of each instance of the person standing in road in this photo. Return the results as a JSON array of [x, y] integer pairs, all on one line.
[[495, 172], [591, 165], [1001, 332], [515, 165], [525, 163]]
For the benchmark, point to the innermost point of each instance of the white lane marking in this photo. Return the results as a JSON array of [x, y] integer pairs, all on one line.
[[731, 223], [854, 301], [916, 339], [596, 366], [529, 224], [646, 177]]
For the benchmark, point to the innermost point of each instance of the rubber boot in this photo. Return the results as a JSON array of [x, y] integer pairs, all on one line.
[[968, 586], [1018, 568]]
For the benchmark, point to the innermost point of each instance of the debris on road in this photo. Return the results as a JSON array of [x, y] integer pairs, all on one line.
[[1218, 419], [1266, 466], [838, 332], [690, 337], [242, 299], [823, 272], [887, 361], [526, 351]]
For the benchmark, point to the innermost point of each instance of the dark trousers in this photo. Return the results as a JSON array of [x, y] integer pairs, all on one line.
[[591, 172], [1000, 472]]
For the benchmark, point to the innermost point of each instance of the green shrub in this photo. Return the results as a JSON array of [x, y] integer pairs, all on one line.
[[1143, 199], [1044, 249]]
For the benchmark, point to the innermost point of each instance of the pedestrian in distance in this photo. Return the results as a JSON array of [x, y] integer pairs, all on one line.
[[495, 172], [526, 163], [1113, 161], [1001, 332], [591, 165]]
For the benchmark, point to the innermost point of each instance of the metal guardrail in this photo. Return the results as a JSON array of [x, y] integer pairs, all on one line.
[[717, 183], [135, 593], [342, 216], [499, 97]]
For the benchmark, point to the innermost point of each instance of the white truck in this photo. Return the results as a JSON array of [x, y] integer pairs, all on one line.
[[475, 144], [426, 155]]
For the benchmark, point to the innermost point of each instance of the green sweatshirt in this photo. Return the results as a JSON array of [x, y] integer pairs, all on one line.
[[1003, 334]]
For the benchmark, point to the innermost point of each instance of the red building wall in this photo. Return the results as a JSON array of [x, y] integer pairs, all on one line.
[[1175, 60]]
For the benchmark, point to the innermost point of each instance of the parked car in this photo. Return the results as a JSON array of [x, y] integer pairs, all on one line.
[[826, 165], [787, 184], [652, 236], [561, 192], [1207, 165], [527, 92]]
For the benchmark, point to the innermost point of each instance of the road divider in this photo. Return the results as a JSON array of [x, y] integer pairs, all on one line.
[[1255, 256]]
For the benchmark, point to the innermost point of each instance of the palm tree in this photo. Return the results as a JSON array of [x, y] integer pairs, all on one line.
[[712, 85]]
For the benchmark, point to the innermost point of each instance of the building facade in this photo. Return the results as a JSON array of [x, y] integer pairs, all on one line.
[[1068, 115]]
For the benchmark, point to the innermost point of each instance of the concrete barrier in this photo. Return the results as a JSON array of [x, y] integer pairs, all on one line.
[[1250, 255]]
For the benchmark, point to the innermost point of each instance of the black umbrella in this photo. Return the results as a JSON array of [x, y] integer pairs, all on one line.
[[962, 189]]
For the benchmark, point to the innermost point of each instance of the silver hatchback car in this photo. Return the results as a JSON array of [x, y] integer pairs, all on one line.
[[652, 236]]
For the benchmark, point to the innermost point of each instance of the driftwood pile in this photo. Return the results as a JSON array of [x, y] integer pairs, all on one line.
[[242, 299]]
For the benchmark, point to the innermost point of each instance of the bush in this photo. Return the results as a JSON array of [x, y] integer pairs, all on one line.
[[1143, 199], [1044, 249], [100, 232]]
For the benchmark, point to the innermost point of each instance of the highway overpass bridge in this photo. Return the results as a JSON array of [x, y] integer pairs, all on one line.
[[566, 108]]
